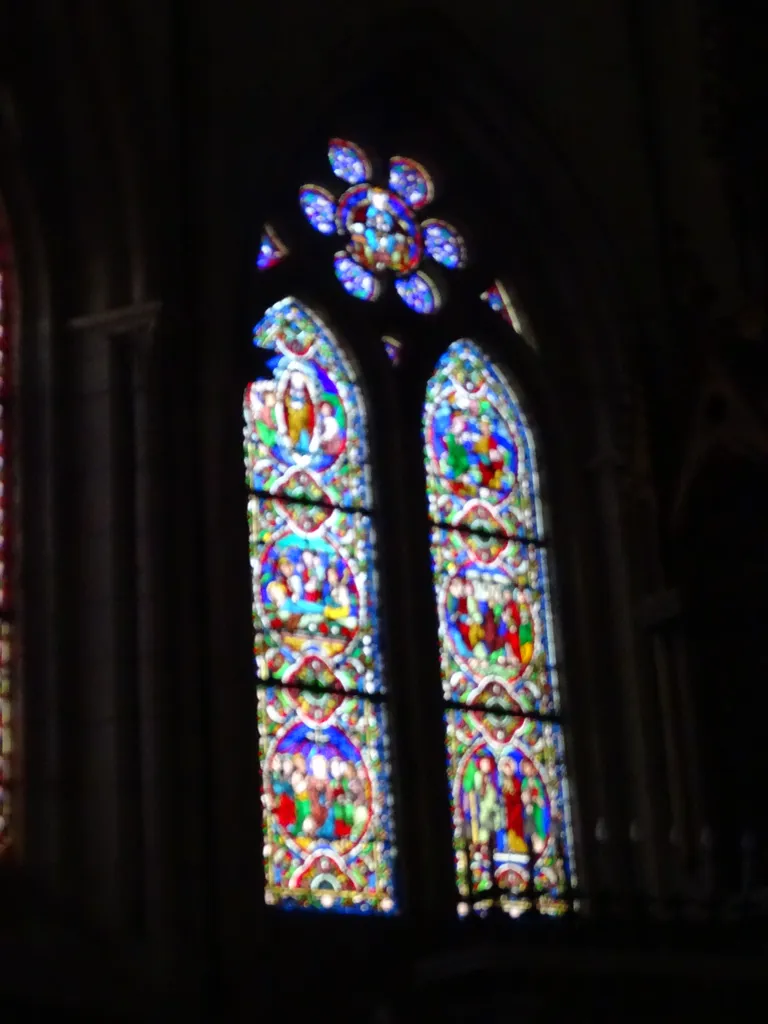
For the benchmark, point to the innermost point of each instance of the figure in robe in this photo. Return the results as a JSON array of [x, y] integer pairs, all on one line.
[[264, 416], [481, 805], [299, 412], [293, 605], [489, 456], [300, 786], [341, 802], [513, 806], [534, 806], [331, 438], [339, 601], [285, 804], [319, 795], [458, 459], [474, 617], [525, 634]]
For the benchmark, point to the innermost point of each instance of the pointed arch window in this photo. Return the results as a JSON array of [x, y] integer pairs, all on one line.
[[328, 817], [328, 833], [505, 753]]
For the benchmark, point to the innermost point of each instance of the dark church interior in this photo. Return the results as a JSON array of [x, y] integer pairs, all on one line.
[[604, 165]]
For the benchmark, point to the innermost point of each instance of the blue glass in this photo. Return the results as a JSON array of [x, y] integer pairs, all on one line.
[[419, 292], [348, 161], [410, 180], [319, 207], [359, 282], [444, 244]]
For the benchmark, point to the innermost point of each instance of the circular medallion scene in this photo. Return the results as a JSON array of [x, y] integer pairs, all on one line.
[[488, 622], [384, 235], [309, 595], [320, 788]]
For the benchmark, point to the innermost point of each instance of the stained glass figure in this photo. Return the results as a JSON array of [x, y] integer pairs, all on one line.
[[498, 299], [393, 348], [509, 795], [385, 235], [6, 735], [328, 831], [271, 250]]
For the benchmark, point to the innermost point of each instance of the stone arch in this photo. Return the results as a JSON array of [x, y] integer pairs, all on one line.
[[564, 266]]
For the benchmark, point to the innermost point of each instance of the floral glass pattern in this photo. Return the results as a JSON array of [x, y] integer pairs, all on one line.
[[328, 830], [384, 232], [509, 793]]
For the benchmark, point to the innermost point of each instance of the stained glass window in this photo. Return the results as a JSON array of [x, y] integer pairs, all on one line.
[[512, 834], [5, 587], [322, 715]]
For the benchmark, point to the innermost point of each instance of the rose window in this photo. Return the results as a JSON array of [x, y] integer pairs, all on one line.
[[385, 235]]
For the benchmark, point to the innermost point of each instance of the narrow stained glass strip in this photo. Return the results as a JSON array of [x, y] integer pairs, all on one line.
[[6, 734], [328, 831], [348, 161], [479, 450]]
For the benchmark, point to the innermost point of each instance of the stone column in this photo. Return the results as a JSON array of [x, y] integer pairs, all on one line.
[[112, 571], [658, 615], [636, 728]]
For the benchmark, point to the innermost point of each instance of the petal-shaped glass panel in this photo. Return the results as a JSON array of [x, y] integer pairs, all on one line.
[[355, 279], [348, 161], [444, 243], [393, 348], [410, 180], [419, 292], [319, 207], [271, 250]]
